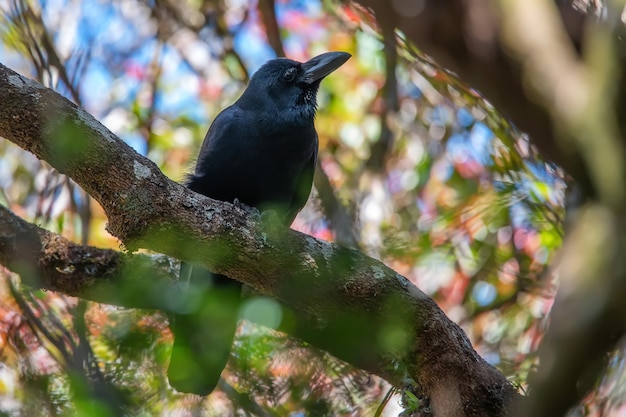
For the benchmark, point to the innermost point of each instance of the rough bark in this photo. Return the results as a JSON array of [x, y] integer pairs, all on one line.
[[344, 300]]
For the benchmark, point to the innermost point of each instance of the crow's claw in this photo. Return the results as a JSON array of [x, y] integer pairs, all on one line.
[[252, 211]]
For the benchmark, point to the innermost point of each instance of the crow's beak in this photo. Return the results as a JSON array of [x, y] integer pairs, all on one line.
[[317, 68]]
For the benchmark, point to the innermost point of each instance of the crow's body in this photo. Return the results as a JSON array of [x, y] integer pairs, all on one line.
[[269, 167], [261, 151]]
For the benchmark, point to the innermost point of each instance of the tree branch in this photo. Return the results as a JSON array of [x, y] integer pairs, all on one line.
[[345, 302], [49, 261]]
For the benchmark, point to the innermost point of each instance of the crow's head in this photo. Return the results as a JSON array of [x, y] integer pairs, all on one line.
[[288, 87]]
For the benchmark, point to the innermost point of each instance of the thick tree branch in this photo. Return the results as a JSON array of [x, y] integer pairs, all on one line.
[[350, 303]]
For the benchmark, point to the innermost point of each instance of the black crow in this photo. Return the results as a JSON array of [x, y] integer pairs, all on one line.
[[261, 151]]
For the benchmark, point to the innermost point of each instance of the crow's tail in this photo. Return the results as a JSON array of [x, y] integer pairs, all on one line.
[[203, 338]]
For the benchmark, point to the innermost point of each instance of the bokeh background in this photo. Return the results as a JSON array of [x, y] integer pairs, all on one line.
[[416, 169]]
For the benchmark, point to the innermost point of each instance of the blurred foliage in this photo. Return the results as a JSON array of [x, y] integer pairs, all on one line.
[[462, 205]]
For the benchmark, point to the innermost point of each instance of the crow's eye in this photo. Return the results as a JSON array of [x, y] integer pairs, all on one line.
[[290, 74]]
